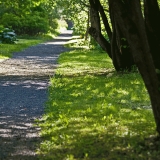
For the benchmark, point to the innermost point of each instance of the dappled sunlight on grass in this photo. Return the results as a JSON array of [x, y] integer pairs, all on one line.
[[96, 116], [84, 62]]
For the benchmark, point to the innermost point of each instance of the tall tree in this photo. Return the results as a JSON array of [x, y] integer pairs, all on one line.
[[128, 16], [134, 38], [118, 48], [152, 23]]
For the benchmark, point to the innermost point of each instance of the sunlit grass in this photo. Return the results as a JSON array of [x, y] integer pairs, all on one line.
[[6, 50], [94, 113]]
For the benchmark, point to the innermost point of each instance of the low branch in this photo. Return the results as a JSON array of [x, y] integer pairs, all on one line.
[[99, 38]]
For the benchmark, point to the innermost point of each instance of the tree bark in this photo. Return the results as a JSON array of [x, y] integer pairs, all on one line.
[[128, 17], [120, 55], [152, 23], [120, 50], [95, 29], [105, 20]]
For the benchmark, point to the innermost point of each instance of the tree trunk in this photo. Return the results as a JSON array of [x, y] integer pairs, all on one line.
[[128, 17], [152, 23], [122, 57], [95, 29], [118, 50], [105, 20]]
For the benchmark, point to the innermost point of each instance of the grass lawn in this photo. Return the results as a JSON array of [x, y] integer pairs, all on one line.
[[94, 113], [6, 50]]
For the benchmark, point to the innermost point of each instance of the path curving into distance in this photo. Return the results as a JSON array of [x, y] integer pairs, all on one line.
[[24, 80]]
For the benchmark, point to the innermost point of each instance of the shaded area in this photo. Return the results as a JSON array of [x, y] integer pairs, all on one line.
[[23, 93], [21, 103], [90, 117], [97, 116]]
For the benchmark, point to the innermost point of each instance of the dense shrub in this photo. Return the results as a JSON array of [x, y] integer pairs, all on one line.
[[53, 24], [7, 35], [34, 24], [31, 24], [11, 20]]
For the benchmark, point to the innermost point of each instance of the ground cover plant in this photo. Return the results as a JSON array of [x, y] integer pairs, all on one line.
[[23, 42], [94, 113]]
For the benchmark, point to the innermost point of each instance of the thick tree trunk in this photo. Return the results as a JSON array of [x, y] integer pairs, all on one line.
[[120, 50], [117, 50], [121, 54], [129, 18], [152, 23]]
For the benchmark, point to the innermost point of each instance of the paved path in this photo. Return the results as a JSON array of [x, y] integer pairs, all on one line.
[[23, 92]]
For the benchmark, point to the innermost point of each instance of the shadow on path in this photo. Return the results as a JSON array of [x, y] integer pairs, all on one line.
[[23, 93]]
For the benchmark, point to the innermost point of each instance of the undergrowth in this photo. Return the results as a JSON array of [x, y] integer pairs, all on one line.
[[94, 113]]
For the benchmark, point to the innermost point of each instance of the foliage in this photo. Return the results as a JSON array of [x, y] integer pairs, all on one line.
[[95, 113], [29, 17], [35, 24], [28, 24], [81, 20], [70, 9], [7, 36]]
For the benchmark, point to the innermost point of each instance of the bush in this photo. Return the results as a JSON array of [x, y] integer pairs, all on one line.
[[7, 36], [53, 25], [31, 24], [12, 21], [35, 24]]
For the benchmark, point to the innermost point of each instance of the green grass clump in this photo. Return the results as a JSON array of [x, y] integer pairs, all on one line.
[[6, 50], [94, 113]]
